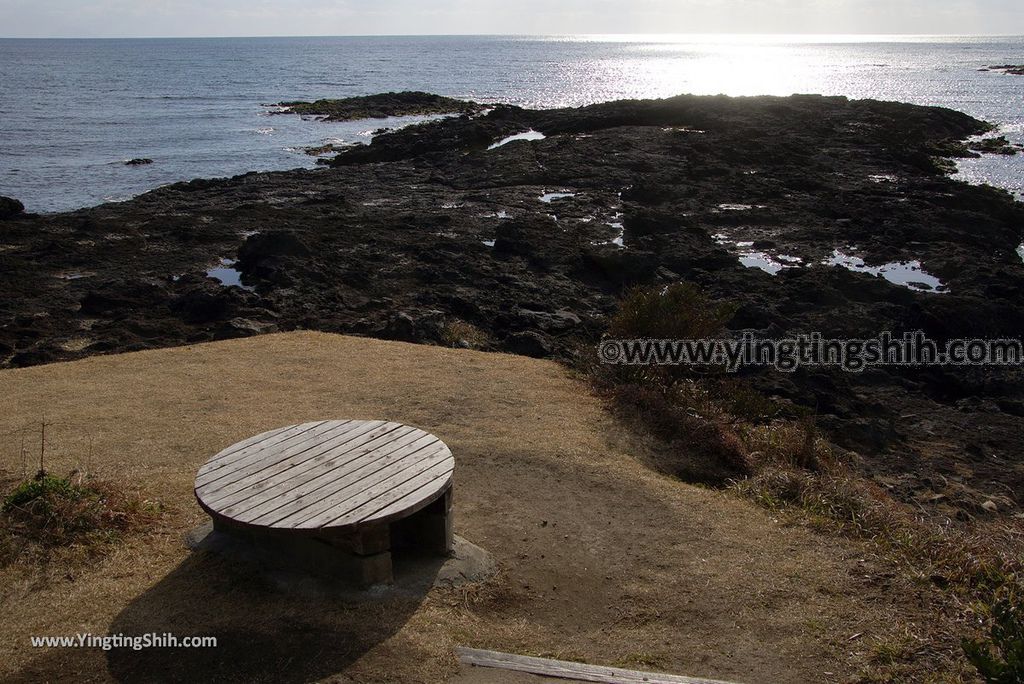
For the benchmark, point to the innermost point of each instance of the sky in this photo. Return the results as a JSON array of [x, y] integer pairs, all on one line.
[[142, 18]]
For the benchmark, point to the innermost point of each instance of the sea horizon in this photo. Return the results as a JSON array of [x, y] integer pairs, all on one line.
[[642, 37]]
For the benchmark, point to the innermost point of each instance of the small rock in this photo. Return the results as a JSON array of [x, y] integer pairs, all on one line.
[[139, 161], [529, 343], [273, 243], [990, 506], [10, 207], [547, 321], [402, 326], [198, 306], [415, 326], [243, 327], [666, 274], [624, 267]]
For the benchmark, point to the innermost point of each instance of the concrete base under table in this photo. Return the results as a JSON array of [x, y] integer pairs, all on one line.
[[363, 556]]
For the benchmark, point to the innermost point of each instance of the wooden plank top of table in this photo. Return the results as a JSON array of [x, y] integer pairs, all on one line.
[[333, 474]]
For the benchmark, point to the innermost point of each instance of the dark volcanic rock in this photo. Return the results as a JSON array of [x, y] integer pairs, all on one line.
[[10, 207], [139, 161], [537, 239], [1014, 69], [426, 230], [381, 106], [244, 327], [277, 243], [994, 145], [272, 257], [621, 266], [415, 326], [198, 306], [549, 321], [529, 343]]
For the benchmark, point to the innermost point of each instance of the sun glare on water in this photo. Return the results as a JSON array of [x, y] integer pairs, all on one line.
[[710, 68], [665, 65]]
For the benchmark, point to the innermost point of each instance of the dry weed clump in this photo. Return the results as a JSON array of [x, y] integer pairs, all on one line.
[[459, 333], [49, 512]]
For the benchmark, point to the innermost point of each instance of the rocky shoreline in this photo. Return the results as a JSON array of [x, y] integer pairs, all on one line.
[[516, 230]]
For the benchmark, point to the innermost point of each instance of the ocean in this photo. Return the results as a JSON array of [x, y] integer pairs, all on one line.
[[72, 111]]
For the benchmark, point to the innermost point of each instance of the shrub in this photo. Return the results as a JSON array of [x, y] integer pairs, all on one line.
[[41, 488], [1000, 657], [677, 311], [672, 402]]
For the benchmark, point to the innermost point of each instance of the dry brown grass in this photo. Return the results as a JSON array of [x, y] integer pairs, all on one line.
[[601, 558]]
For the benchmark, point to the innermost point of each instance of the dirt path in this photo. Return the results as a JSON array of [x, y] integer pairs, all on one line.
[[601, 559]]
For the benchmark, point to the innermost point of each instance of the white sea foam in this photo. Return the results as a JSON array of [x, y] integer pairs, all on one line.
[[525, 135]]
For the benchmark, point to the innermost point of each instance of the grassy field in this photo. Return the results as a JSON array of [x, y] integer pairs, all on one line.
[[601, 559]]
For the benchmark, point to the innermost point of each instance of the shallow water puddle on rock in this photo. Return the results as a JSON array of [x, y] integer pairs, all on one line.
[[1020, 252], [550, 197], [765, 261], [729, 206], [906, 273], [769, 263], [228, 275], [525, 135], [489, 243]]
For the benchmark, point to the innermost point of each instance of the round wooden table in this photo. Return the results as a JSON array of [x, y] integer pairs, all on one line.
[[352, 486]]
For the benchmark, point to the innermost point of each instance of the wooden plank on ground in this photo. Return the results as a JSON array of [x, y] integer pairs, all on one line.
[[568, 670]]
